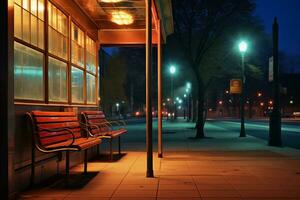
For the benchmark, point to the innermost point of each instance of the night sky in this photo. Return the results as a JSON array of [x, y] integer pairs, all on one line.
[[288, 14]]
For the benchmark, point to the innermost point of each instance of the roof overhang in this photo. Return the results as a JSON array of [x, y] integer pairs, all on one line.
[[110, 33]]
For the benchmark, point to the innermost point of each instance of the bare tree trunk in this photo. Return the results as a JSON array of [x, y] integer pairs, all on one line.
[[200, 121], [194, 110]]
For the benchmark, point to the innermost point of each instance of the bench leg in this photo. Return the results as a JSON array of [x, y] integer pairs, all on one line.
[[98, 149], [119, 143], [32, 176], [67, 166], [111, 150], [85, 161]]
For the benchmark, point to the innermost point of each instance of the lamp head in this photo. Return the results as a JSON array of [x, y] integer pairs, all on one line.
[[172, 69], [243, 46]]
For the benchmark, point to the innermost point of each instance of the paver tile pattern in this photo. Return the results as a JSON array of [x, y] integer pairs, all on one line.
[[221, 168]]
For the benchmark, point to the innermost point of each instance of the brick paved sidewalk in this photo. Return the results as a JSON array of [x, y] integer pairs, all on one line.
[[225, 167]]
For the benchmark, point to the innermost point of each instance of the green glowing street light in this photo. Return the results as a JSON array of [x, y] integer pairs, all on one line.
[[172, 69], [243, 46], [188, 85]]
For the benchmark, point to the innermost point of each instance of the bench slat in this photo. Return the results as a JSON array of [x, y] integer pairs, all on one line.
[[45, 113], [58, 125], [96, 116], [55, 119], [93, 112], [44, 134]]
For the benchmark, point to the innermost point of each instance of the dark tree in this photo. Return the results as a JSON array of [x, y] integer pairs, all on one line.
[[205, 30]]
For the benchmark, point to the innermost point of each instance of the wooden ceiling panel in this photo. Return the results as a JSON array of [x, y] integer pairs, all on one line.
[[101, 13]]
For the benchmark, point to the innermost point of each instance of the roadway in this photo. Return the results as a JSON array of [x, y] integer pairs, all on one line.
[[260, 129]]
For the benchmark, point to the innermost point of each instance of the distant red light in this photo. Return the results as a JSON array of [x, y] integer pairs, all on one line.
[[259, 94]]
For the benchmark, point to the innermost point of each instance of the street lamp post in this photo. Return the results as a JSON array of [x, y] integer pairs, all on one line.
[[188, 91], [243, 48], [172, 70], [185, 106]]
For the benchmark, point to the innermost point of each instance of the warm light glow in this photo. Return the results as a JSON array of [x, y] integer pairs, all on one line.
[[259, 94], [261, 104], [121, 18], [271, 102], [243, 46], [111, 1], [220, 102], [137, 113]]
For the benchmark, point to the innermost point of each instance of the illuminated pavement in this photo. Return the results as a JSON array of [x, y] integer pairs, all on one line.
[[223, 166]]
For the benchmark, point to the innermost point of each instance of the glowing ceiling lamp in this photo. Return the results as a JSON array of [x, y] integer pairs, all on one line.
[[121, 17]]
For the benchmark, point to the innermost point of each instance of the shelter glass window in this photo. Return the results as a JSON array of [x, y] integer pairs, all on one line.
[[29, 21], [77, 46], [28, 73], [57, 32], [77, 85], [90, 55], [91, 88], [57, 74]]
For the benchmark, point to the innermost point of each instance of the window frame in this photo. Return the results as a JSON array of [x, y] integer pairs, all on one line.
[[46, 55]]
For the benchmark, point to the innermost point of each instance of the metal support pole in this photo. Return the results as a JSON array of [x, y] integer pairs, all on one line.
[[275, 118], [159, 94], [85, 161], [67, 167], [149, 144], [242, 132], [119, 145], [111, 150]]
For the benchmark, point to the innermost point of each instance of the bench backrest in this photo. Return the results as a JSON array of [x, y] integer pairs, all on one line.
[[54, 120], [97, 118]]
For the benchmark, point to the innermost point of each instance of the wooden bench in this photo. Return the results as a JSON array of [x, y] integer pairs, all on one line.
[[58, 132], [100, 127]]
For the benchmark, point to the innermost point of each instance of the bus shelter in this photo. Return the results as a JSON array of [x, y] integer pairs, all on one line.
[[49, 61]]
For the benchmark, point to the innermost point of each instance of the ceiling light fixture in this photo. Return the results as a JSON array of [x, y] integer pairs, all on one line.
[[121, 18]]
